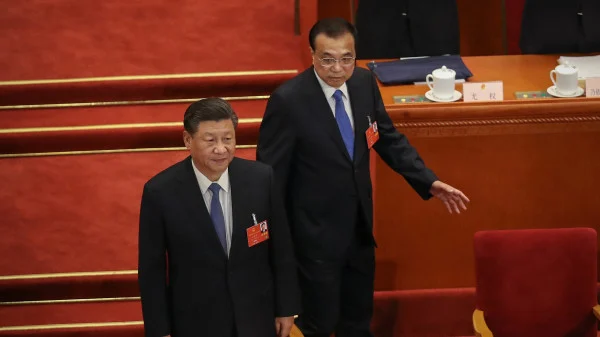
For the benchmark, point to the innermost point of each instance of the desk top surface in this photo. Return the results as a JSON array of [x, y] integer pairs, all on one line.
[[517, 72]]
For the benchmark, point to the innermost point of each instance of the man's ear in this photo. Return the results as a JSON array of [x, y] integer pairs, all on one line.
[[187, 139]]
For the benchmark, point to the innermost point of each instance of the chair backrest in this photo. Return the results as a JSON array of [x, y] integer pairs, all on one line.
[[404, 28], [514, 16], [558, 27], [539, 282]]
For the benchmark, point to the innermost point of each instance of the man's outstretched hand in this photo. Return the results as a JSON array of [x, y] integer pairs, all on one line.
[[453, 198]]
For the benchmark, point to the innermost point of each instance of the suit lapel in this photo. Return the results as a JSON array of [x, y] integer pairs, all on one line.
[[322, 114], [361, 122], [241, 215], [191, 198]]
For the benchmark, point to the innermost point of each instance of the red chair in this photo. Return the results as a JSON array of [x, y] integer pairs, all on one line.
[[539, 282], [513, 18]]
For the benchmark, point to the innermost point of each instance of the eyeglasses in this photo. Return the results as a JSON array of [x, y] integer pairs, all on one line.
[[344, 61]]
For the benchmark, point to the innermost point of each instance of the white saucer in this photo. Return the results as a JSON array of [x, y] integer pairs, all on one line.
[[552, 91], [457, 95]]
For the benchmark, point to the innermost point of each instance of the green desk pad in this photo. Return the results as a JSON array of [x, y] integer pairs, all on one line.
[[532, 94], [410, 99]]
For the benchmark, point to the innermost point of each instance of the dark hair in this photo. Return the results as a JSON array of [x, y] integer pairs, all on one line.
[[331, 27], [208, 109]]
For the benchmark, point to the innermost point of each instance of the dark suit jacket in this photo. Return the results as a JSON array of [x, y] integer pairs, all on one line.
[[206, 293], [325, 190], [404, 28], [554, 26]]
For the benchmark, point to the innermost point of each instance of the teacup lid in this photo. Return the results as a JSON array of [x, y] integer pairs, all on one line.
[[566, 68], [444, 72]]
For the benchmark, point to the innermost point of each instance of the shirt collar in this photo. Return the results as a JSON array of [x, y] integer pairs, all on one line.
[[205, 183], [329, 90]]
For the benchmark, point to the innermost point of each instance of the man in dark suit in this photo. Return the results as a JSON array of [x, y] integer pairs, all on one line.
[[205, 268], [314, 135]]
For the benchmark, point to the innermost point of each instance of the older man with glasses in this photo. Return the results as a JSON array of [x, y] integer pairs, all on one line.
[[316, 133]]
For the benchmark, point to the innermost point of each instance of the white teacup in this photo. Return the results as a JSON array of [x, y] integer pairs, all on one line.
[[443, 82], [566, 82]]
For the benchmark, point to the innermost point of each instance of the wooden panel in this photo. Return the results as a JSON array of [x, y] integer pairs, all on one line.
[[482, 30], [308, 17], [336, 8], [524, 164], [529, 175]]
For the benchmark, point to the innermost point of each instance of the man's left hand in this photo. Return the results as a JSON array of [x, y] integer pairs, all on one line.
[[450, 196], [283, 326]]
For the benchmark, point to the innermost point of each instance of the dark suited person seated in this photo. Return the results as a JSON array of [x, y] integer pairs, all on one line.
[[205, 269], [406, 28], [559, 26]]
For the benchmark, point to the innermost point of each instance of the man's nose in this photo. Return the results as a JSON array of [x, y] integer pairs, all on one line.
[[336, 66], [220, 147]]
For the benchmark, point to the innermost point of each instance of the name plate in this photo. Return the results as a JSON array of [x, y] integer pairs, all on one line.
[[592, 87], [483, 91]]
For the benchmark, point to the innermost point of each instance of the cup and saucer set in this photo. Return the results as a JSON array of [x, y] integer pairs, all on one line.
[[565, 80], [441, 82]]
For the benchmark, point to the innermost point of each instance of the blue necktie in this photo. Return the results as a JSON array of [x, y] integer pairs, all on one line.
[[216, 214], [344, 123]]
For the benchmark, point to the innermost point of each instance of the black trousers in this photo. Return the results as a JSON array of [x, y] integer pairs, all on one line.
[[337, 294]]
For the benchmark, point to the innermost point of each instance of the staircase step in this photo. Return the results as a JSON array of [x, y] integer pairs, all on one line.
[[107, 137], [137, 88], [54, 317], [126, 113], [51, 287], [112, 329]]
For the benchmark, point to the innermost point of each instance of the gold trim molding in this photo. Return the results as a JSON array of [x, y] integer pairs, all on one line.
[[74, 153], [109, 126], [151, 77], [87, 152], [71, 326], [67, 275], [120, 103], [72, 301], [508, 121]]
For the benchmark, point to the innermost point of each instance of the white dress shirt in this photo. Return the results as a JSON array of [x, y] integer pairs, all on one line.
[[224, 198], [329, 91]]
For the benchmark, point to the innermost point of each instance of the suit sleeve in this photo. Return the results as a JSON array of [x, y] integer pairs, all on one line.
[[282, 259], [397, 152], [152, 267], [276, 140]]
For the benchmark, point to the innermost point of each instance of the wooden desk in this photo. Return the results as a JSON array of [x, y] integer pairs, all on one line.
[[523, 163], [518, 73]]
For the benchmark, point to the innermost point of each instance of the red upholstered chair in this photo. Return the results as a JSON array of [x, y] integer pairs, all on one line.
[[539, 282]]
